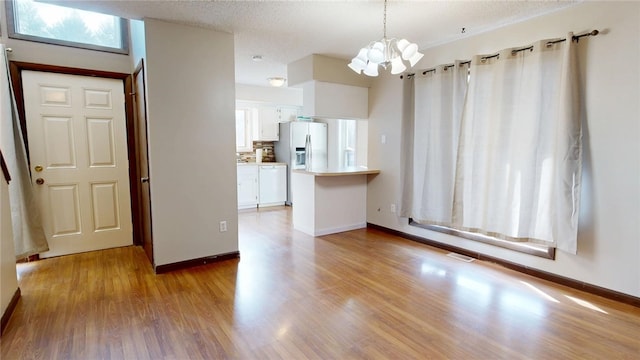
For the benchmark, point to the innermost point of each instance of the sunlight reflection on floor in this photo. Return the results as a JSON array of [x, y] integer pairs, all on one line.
[[586, 304], [540, 292]]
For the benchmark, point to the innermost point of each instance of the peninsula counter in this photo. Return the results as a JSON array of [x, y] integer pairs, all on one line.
[[330, 201]]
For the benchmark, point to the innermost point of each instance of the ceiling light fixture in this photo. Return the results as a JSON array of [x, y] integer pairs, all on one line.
[[276, 81], [256, 58], [385, 52]]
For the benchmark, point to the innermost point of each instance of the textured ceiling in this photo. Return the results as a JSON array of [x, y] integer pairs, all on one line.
[[285, 31]]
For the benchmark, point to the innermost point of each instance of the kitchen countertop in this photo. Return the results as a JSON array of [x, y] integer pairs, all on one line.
[[355, 170]]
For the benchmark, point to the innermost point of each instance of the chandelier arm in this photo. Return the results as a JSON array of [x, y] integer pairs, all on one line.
[[385, 53]]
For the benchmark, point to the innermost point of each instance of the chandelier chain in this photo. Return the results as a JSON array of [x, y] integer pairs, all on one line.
[[384, 21]]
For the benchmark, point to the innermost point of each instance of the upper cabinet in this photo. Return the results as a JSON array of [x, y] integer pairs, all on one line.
[[266, 126], [288, 113], [337, 101], [260, 122]]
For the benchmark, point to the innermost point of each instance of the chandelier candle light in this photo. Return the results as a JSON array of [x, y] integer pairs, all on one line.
[[385, 52]]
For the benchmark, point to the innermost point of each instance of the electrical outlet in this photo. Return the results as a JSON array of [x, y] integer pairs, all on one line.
[[392, 208], [223, 226]]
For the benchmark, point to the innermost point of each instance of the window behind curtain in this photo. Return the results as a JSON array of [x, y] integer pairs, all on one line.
[[516, 173]]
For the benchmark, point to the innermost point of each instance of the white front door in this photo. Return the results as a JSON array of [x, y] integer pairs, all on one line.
[[79, 167]]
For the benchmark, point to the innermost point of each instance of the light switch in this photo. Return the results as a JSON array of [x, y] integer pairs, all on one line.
[[383, 139]]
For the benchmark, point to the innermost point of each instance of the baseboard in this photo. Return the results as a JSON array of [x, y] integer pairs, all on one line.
[[160, 269], [339, 229], [9, 311], [572, 283], [281, 203]]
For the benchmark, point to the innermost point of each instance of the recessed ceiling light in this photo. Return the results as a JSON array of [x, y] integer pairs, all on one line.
[[276, 81], [256, 58]]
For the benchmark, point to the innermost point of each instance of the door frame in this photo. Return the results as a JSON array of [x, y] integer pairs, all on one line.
[[15, 71], [146, 240]]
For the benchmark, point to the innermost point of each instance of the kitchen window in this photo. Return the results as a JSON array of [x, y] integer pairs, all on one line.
[[348, 141], [52, 24], [244, 142]]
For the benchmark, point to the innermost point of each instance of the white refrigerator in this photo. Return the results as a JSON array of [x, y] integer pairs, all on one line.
[[291, 148]]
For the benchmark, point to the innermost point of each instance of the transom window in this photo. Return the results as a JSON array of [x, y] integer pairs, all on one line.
[[35, 21]]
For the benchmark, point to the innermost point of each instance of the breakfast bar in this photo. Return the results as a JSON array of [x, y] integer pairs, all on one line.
[[330, 201]]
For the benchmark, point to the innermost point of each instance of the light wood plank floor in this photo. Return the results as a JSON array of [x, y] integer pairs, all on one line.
[[361, 294]]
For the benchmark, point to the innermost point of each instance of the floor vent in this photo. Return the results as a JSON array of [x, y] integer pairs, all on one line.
[[460, 257]]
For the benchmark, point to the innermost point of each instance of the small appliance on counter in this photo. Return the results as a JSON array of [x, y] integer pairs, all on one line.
[[293, 147]]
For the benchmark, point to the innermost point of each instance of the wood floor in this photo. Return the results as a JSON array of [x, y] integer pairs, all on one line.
[[356, 295]]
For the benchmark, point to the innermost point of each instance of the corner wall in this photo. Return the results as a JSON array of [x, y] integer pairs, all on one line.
[[191, 120], [609, 230]]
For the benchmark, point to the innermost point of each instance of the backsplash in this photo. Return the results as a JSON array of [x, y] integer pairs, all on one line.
[[267, 152]]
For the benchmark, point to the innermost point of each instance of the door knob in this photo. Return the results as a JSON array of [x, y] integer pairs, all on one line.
[[38, 168], [144, 179], [39, 181]]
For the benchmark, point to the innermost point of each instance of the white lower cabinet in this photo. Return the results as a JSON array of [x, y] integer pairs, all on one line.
[[273, 185], [247, 186], [261, 185]]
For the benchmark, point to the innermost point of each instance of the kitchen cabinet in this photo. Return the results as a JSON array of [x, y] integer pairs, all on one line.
[[272, 180], [247, 186], [261, 185], [286, 114], [266, 124]]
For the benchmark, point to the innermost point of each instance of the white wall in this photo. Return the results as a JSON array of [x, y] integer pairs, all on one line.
[[609, 231], [8, 276], [191, 117], [362, 143], [137, 47], [272, 95]]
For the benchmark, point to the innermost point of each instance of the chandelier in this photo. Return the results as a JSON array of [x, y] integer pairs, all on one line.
[[385, 53]]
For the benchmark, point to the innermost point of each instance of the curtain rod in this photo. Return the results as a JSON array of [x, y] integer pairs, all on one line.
[[549, 43], [513, 52]]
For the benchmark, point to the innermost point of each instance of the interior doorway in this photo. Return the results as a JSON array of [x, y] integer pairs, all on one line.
[[16, 70], [79, 168]]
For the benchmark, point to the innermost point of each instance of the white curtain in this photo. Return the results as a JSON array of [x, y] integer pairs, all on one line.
[[519, 160], [28, 235], [439, 99], [405, 206]]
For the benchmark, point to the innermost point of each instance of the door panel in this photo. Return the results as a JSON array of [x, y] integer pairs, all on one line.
[[59, 142], [144, 191], [64, 207], [97, 99], [100, 140], [105, 206], [55, 96], [77, 132]]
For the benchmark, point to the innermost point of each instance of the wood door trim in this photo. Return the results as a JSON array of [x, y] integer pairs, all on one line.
[[15, 69], [5, 169]]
